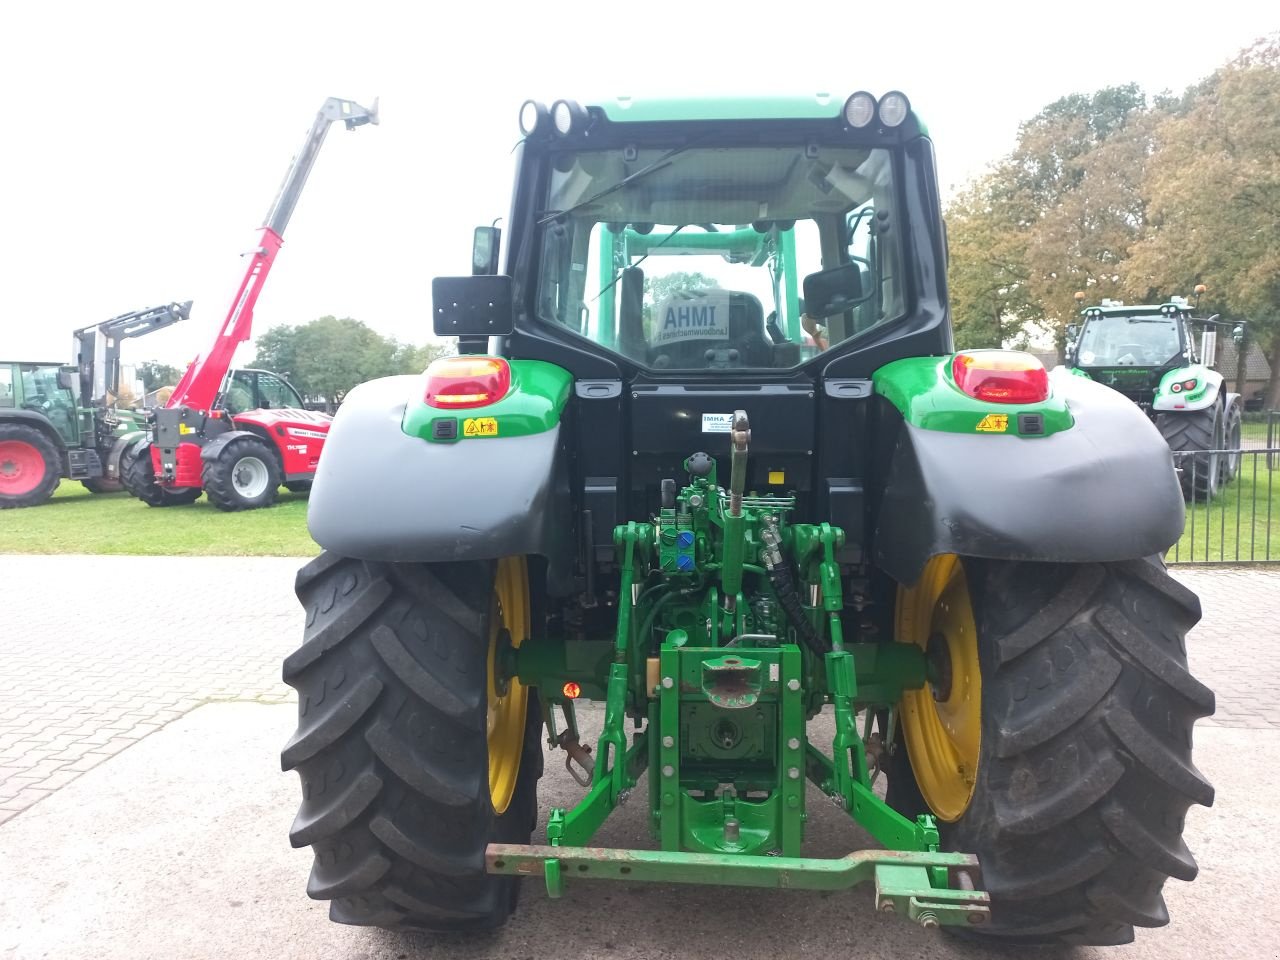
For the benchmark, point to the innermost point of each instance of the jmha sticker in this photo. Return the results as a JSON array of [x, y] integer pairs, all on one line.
[[699, 316]]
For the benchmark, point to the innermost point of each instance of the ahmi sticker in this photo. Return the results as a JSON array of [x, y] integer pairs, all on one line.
[[692, 315], [480, 427], [717, 423], [993, 423]]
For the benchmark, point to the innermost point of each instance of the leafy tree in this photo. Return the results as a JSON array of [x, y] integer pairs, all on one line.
[[1214, 186], [156, 375], [1055, 216], [991, 299], [327, 357]]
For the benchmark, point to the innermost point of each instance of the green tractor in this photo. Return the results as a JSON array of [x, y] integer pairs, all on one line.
[[1148, 353], [59, 420], [706, 457]]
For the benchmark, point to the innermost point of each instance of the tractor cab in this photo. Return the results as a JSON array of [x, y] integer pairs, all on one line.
[[45, 390], [246, 389], [1131, 348]]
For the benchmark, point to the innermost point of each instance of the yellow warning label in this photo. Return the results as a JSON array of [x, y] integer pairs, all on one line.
[[777, 478], [480, 427], [185, 428], [993, 423]]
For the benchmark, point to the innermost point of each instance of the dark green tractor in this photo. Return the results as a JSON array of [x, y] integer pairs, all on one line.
[[61, 421], [1148, 352], [707, 457]]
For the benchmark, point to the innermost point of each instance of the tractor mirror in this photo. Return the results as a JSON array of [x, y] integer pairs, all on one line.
[[484, 251], [1072, 332], [66, 380], [833, 291], [1237, 335], [476, 306]]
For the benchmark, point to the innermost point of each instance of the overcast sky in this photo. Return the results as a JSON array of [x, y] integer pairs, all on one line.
[[143, 142]]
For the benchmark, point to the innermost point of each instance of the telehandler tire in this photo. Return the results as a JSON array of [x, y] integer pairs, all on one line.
[[245, 476], [413, 757], [139, 478], [1054, 740], [30, 466], [1198, 435]]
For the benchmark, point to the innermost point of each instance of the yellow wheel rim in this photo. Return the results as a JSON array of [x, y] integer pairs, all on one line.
[[509, 701], [942, 721]]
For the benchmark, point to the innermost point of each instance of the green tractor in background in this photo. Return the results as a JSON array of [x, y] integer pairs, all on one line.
[[707, 457], [63, 420], [1148, 352]]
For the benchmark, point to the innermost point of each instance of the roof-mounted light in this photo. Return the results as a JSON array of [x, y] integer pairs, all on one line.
[[568, 117], [1001, 376], [860, 109], [534, 117], [894, 107]]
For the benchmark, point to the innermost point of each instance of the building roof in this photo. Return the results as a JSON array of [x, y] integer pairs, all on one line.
[[1256, 367]]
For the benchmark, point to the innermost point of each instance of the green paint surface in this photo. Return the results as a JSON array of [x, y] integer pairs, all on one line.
[[533, 404], [924, 392]]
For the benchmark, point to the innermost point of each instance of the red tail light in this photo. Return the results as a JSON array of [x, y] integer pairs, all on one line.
[[456, 383], [1001, 376]]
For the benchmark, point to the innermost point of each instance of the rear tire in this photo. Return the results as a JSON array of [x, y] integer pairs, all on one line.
[[1193, 435], [245, 476], [30, 466], [392, 745], [139, 478], [1085, 774], [102, 485], [1230, 462]]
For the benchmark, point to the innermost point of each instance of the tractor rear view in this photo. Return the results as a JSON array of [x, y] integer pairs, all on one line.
[[239, 454], [707, 457], [1149, 354]]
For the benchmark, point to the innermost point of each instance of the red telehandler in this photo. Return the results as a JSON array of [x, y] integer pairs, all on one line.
[[240, 435]]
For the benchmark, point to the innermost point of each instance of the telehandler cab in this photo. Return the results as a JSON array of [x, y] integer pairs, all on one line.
[[707, 456]]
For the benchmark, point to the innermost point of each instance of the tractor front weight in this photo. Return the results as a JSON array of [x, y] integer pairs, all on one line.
[[728, 641]]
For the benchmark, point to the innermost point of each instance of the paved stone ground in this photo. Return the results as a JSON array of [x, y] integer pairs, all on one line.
[[98, 652]]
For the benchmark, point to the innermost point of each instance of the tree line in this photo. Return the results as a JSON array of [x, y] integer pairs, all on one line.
[[1138, 198], [324, 359]]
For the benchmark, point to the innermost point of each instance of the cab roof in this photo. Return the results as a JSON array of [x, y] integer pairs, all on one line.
[[813, 106]]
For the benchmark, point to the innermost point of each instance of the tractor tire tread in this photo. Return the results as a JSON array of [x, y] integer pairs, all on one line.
[[392, 747], [217, 475], [49, 453], [1078, 811]]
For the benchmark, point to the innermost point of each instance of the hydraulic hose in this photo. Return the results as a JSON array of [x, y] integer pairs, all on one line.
[[785, 588]]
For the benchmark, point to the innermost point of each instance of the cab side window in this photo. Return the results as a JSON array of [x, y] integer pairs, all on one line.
[[274, 393], [6, 387]]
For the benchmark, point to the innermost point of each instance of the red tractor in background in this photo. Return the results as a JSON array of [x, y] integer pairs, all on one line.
[[239, 435]]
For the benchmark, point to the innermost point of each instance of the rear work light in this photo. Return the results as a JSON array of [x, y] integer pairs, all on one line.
[[456, 383], [1001, 376]]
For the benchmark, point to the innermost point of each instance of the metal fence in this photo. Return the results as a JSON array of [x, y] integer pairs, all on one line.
[[1240, 521]]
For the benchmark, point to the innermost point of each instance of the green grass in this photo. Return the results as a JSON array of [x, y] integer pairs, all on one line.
[[1255, 428], [77, 521], [1211, 532]]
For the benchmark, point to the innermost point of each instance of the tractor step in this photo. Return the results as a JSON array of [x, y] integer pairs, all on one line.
[[905, 880]]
